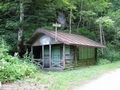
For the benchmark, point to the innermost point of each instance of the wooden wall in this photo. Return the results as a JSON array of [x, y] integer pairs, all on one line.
[[86, 62], [82, 56], [69, 56], [74, 56]]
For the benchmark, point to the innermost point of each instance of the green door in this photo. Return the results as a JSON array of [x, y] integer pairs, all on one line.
[[56, 56], [46, 57]]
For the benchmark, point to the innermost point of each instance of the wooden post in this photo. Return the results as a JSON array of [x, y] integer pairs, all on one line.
[[76, 51], [63, 56], [43, 55], [32, 53], [96, 60], [56, 25], [50, 61]]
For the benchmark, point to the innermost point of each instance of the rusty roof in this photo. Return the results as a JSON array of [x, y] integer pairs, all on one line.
[[67, 38]]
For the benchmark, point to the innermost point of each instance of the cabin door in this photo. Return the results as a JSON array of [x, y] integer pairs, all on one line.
[[56, 56], [46, 57]]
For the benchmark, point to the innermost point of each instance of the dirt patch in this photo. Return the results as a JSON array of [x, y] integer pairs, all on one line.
[[23, 85]]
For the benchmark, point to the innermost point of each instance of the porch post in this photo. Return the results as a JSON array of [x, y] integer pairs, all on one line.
[[43, 55], [50, 55], [63, 56], [31, 53], [95, 53], [76, 51]]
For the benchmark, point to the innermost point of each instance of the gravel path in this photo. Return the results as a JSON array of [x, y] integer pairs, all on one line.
[[108, 81]]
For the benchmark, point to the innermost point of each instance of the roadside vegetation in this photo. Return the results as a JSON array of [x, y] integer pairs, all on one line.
[[64, 80], [15, 69]]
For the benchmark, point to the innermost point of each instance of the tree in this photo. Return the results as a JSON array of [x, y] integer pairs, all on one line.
[[106, 22], [89, 11], [79, 14], [114, 32], [67, 5]]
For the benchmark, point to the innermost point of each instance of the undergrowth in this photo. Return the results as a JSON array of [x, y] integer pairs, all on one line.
[[12, 68]]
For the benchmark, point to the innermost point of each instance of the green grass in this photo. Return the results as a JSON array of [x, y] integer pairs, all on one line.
[[69, 78]]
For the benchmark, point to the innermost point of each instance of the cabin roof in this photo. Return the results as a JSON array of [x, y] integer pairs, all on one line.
[[67, 38]]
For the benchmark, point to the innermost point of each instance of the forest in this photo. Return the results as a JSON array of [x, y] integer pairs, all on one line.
[[95, 19], [86, 17]]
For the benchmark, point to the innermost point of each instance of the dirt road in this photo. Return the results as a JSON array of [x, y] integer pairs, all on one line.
[[108, 81]]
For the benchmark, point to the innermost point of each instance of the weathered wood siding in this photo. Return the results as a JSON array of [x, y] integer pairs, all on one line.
[[69, 56], [86, 56], [86, 62], [37, 41]]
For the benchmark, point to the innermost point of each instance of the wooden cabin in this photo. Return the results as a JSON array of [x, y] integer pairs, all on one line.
[[62, 50]]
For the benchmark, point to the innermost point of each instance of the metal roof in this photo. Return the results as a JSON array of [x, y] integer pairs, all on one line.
[[67, 38]]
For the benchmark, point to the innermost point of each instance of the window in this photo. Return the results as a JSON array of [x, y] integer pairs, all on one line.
[[86, 52], [67, 49]]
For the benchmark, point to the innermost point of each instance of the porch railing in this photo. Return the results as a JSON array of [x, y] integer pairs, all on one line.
[[56, 63], [38, 62]]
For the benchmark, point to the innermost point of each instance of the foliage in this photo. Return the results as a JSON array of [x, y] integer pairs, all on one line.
[[116, 17], [43, 13], [106, 21], [112, 55], [88, 15], [103, 61], [12, 68], [11, 41], [86, 32]]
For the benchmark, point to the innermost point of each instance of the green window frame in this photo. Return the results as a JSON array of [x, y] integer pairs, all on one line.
[[67, 49]]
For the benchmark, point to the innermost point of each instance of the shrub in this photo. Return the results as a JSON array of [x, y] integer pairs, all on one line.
[[11, 40], [103, 61], [112, 55], [12, 68]]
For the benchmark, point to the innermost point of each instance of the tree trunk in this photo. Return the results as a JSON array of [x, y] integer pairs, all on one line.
[[70, 20], [20, 31], [20, 46], [101, 38], [81, 5]]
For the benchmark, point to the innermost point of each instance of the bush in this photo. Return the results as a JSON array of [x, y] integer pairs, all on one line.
[[103, 61], [12, 68], [11, 40], [112, 55]]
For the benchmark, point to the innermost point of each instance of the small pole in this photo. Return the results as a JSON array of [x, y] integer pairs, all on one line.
[[56, 33], [56, 25]]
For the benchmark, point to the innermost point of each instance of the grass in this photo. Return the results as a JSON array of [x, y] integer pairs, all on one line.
[[70, 78], [65, 80]]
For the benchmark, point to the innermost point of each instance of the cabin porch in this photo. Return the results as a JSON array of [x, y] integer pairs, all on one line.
[[56, 56]]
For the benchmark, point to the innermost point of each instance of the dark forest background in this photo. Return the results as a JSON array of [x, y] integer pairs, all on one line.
[[86, 17]]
